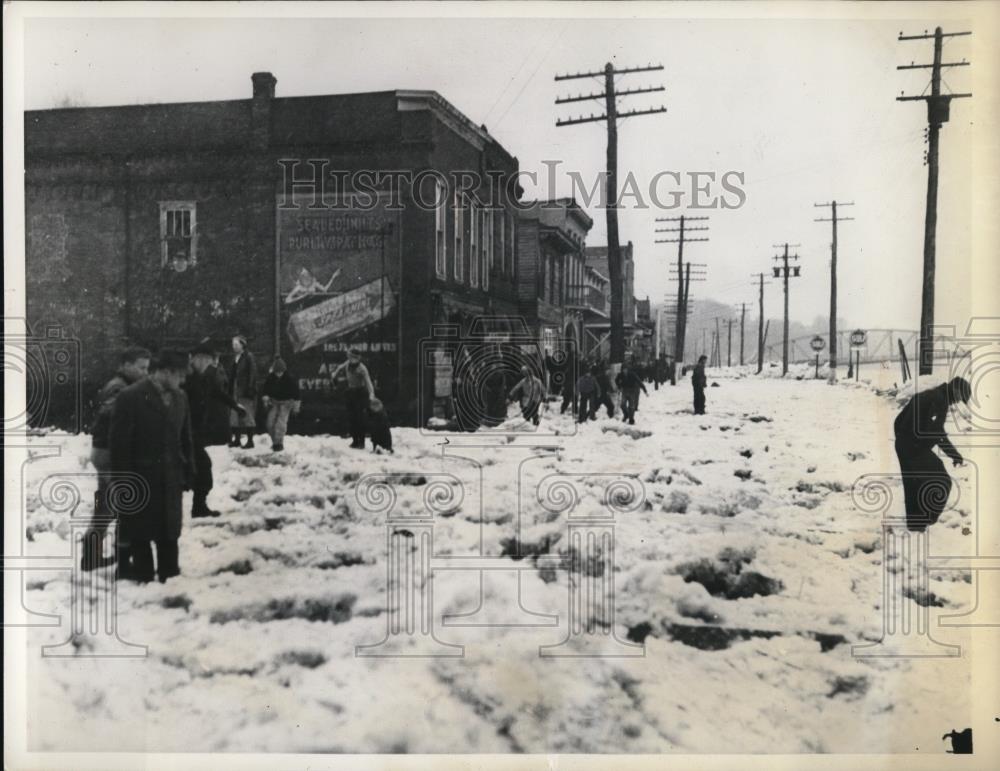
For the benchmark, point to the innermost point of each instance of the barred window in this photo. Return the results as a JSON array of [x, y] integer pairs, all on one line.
[[178, 234]]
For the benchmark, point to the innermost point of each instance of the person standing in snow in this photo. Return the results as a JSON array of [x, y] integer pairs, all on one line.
[[151, 436], [204, 395], [360, 392], [378, 427], [243, 381], [629, 383], [589, 394], [531, 391], [281, 399], [600, 373], [699, 382], [918, 428], [133, 366]]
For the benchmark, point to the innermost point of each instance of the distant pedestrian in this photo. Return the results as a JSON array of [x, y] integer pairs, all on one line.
[[629, 384], [589, 394], [378, 427], [280, 396], [699, 382], [530, 391], [243, 382], [919, 427], [205, 399], [600, 373], [569, 386], [360, 392], [133, 366], [151, 436]]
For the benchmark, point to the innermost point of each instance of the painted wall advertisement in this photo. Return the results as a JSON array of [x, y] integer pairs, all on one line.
[[339, 278]]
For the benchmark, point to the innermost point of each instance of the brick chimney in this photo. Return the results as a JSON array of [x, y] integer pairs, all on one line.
[[263, 93]]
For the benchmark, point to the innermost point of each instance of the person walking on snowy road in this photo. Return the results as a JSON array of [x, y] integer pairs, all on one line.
[[360, 392], [629, 383], [589, 394], [243, 381], [699, 382], [133, 367], [204, 394], [600, 374], [530, 390], [918, 428], [281, 399], [151, 437]]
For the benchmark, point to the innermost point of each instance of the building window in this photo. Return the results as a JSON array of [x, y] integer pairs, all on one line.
[[475, 233], [459, 236], [178, 234], [503, 242], [487, 246], [440, 221], [512, 252]]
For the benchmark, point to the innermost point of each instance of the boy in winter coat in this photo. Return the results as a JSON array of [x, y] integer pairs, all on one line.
[[378, 426], [531, 392], [589, 393], [281, 398], [629, 383]]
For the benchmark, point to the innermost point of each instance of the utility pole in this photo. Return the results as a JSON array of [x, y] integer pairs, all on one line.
[[729, 344], [938, 109], [680, 240], [610, 117], [716, 353], [760, 323], [683, 307], [794, 271], [833, 280], [743, 318]]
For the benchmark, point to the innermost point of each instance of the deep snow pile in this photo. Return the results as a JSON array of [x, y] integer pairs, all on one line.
[[747, 573]]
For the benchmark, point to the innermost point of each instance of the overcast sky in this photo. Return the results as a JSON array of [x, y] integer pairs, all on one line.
[[805, 110]]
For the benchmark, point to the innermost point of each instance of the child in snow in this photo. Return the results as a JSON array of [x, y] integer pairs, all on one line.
[[281, 398], [378, 426]]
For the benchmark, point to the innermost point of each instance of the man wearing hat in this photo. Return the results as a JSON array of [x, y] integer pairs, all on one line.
[[205, 398], [698, 382], [919, 428], [243, 381]]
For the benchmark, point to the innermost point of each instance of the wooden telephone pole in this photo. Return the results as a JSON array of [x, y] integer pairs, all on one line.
[[760, 323], [833, 279], [610, 117], [793, 271], [938, 108], [743, 318], [680, 240]]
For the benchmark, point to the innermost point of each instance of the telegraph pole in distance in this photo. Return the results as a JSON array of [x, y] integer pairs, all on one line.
[[680, 240], [794, 271], [610, 117], [683, 308], [938, 109], [743, 318], [729, 343], [760, 324], [833, 278]]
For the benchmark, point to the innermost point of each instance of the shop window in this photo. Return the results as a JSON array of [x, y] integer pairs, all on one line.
[[440, 221]]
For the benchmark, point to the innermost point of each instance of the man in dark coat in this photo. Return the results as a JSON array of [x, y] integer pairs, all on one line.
[[600, 373], [589, 394], [919, 427], [151, 436], [629, 384], [132, 367], [243, 381], [205, 398], [699, 382]]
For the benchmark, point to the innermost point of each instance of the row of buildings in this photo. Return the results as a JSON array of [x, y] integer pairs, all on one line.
[[166, 224]]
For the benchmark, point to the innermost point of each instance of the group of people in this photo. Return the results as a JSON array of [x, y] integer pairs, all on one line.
[[155, 419]]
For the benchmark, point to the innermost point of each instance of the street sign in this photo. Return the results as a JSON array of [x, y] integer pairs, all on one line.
[[817, 343], [858, 338]]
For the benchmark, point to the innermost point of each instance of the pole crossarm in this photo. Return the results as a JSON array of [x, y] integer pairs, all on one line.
[[677, 240], [677, 230], [929, 96], [930, 35], [678, 219], [962, 63]]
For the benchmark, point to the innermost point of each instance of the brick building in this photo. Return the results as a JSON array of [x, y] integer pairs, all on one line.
[[164, 224]]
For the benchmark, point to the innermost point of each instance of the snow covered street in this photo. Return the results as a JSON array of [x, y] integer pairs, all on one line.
[[745, 570]]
